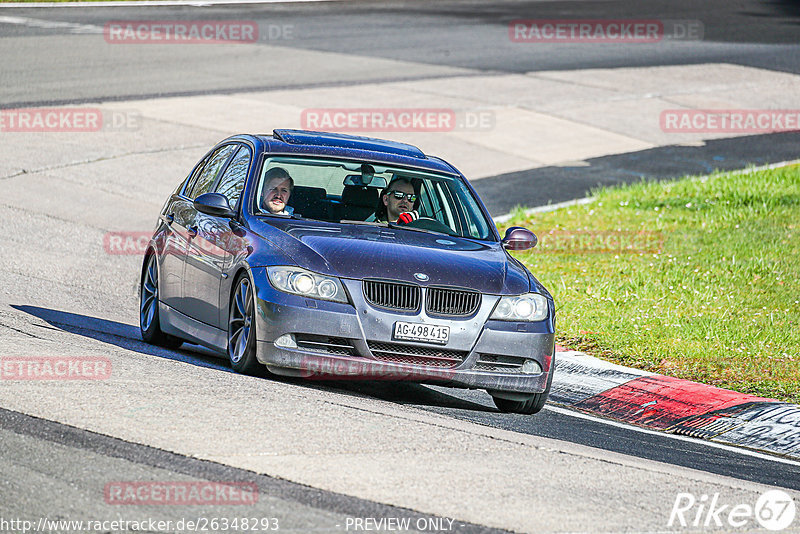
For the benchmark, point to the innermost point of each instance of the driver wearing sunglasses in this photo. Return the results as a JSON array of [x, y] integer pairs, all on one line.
[[397, 202]]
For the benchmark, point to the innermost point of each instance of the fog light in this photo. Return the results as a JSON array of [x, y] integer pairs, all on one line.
[[286, 341], [504, 309], [531, 367]]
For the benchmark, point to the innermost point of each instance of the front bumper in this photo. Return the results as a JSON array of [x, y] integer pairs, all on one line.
[[348, 342]]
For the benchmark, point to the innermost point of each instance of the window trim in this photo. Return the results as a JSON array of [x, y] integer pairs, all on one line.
[[491, 236], [218, 179], [205, 161]]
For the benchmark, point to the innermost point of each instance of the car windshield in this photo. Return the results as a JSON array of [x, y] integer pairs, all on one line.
[[351, 192]]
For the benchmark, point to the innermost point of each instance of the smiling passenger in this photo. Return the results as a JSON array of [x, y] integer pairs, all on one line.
[[277, 191]]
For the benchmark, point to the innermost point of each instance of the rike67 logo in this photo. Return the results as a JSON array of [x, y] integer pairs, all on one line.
[[774, 510]]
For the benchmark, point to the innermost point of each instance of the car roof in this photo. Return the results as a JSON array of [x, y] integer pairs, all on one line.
[[307, 142]]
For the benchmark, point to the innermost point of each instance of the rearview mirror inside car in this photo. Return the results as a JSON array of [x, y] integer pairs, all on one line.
[[378, 182]]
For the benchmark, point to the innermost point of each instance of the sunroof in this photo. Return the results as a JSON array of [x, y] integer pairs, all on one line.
[[305, 137]]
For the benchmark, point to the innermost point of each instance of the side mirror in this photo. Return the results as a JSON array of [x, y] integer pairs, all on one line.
[[518, 238], [215, 204]]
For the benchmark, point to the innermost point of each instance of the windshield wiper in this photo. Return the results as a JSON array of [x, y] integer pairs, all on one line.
[[414, 229], [282, 216], [361, 223]]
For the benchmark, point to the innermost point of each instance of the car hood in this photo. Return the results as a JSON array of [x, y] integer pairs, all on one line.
[[366, 251]]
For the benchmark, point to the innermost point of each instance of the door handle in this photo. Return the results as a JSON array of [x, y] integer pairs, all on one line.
[[192, 231]]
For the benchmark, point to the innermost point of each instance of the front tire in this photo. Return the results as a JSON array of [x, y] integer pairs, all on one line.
[[242, 328], [149, 322], [529, 406]]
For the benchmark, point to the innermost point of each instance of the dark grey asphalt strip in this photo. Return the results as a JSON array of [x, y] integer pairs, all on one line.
[[235, 90], [550, 185], [142, 454]]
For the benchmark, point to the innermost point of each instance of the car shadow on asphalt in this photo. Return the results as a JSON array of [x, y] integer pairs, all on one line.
[[128, 337], [407, 393], [122, 335]]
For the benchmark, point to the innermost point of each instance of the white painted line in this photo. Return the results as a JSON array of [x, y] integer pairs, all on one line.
[[770, 166], [589, 200], [51, 24], [549, 207], [146, 3], [714, 445]]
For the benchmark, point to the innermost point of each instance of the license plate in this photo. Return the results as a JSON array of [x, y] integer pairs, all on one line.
[[429, 333]]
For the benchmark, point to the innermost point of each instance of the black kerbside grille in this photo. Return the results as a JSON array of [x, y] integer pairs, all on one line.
[[325, 344], [414, 355], [455, 302], [392, 295], [499, 363]]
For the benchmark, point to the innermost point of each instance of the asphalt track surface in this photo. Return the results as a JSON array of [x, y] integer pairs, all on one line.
[[442, 35], [298, 507], [45, 66], [295, 507], [551, 185], [476, 406], [449, 34]]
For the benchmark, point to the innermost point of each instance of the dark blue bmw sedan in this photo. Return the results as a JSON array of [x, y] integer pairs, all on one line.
[[333, 256]]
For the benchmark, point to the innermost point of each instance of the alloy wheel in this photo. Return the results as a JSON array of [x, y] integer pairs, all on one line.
[[149, 299], [241, 316]]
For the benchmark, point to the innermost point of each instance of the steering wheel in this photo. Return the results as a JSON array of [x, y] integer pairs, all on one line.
[[427, 223]]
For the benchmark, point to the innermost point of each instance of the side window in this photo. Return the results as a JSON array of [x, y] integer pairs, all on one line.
[[440, 210], [232, 182], [446, 214], [190, 181], [439, 204], [209, 173], [426, 203]]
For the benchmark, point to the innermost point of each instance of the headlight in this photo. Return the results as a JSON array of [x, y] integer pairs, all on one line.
[[307, 284], [527, 307]]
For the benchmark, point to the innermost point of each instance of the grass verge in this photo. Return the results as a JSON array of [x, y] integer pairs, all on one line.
[[697, 278]]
